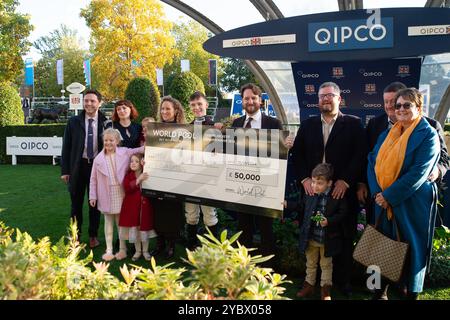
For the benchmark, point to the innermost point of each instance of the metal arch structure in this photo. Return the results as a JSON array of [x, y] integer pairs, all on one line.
[[251, 64], [444, 105], [438, 3], [345, 5], [268, 9]]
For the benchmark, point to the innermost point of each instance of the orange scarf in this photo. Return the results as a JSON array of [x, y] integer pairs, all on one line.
[[391, 155]]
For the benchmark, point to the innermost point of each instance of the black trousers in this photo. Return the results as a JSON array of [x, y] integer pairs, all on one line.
[[77, 199], [247, 225], [343, 262]]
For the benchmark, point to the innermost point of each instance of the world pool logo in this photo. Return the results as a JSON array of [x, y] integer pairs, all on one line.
[[350, 35]]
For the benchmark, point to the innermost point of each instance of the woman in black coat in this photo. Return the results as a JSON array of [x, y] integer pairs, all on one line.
[[122, 120]]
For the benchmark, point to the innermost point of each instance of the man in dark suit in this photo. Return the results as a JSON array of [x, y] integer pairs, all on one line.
[[254, 118], [81, 143], [337, 139]]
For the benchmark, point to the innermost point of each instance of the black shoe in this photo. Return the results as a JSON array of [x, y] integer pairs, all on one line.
[[192, 241], [160, 246], [346, 290], [381, 294], [170, 250], [412, 296]]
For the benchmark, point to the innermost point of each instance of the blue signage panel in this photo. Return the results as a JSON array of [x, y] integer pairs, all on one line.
[[361, 83], [340, 36], [350, 35], [29, 72]]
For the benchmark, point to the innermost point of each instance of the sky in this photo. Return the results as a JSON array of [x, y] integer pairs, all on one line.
[[48, 15]]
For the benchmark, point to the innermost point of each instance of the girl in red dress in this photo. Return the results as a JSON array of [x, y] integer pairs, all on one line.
[[136, 215]]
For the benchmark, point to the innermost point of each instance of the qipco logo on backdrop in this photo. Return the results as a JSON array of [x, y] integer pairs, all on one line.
[[350, 35], [308, 75]]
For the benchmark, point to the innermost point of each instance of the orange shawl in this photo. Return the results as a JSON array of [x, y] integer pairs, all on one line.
[[391, 155]]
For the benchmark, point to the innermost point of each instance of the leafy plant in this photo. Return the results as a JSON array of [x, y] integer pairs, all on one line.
[[440, 257], [10, 107], [144, 94], [38, 270], [183, 85]]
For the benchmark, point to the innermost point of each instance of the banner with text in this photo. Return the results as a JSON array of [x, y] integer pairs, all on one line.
[[361, 83], [240, 169]]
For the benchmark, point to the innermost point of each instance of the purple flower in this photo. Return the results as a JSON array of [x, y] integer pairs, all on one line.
[[360, 227]]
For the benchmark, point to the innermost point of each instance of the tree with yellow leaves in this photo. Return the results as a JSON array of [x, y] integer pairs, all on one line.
[[129, 38]]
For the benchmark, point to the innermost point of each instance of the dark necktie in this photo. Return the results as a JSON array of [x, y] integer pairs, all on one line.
[[249, 122], [90, 140]]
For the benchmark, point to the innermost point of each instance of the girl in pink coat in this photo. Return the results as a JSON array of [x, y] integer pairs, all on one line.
[[106, 191]]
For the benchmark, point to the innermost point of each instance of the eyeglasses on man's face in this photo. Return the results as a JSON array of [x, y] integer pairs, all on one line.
[[406, 105], [327, 95]]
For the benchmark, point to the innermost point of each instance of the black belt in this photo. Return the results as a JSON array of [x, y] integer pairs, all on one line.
[[88, 161]]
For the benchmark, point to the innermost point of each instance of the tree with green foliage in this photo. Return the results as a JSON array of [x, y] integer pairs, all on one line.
[[10, 107], [144, 94], [235, 74], [62, 43], [189, 39], [14, 31], [183, 85]]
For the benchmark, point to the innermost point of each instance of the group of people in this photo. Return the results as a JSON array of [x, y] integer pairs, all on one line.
[[105, 157], [390, 167]]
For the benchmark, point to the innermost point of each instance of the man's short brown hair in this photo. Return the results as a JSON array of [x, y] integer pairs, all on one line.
[[255, 89]]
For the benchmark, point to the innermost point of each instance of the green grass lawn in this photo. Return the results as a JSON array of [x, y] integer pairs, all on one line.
[[33, 199]]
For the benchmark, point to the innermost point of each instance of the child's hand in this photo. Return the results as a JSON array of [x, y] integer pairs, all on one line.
[[218, 125], [92, 203], [142, 177], [323, 222]]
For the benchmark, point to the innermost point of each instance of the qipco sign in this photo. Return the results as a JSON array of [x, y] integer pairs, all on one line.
[[34, 146], [350, 35]]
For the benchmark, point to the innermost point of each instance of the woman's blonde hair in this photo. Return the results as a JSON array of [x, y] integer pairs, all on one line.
[[178, 108]]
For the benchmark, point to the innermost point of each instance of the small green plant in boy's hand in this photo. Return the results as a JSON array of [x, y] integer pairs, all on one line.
[[317, 218]]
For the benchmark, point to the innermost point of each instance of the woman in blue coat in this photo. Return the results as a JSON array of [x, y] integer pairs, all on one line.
[[398, 171]]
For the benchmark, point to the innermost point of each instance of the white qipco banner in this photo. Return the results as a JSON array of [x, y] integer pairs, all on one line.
[[34, 146]]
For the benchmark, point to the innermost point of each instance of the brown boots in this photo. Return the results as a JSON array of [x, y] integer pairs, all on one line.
[[308, 291], [325, 292]]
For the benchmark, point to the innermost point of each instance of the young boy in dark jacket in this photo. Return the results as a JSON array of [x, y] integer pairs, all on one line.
[[320, 230]]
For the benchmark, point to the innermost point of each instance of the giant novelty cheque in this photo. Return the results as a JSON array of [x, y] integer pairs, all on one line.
[[238, 169]]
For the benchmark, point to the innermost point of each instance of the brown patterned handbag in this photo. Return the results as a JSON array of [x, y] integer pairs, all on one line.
[[376, 249]]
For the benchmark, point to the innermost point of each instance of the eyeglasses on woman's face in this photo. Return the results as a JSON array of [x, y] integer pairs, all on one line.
[[406, 105]]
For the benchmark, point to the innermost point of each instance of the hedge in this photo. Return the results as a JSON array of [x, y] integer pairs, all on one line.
[[30, 130], [144, 94]]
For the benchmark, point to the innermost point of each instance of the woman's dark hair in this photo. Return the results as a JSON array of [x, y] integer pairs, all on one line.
[[412, 95], [133, 114]]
